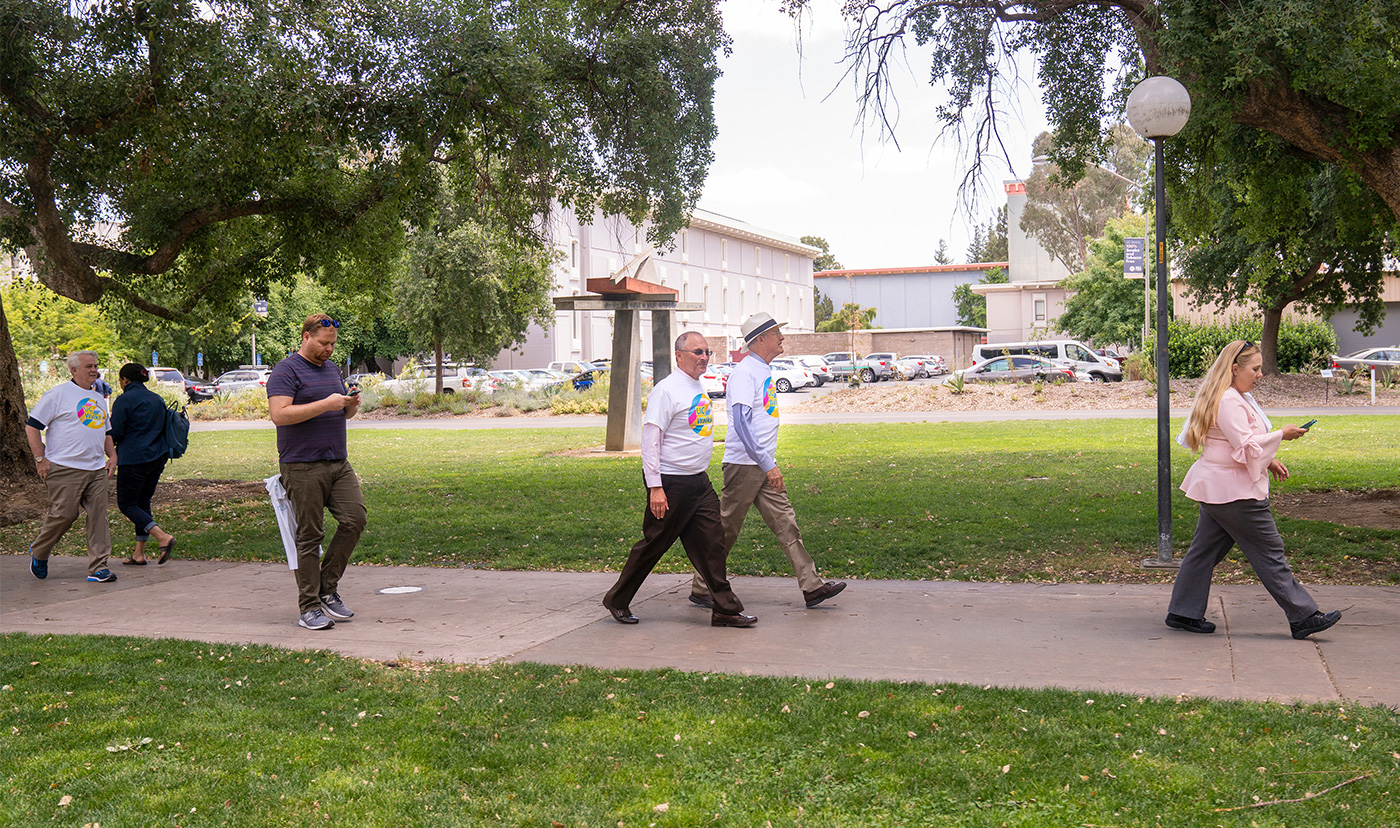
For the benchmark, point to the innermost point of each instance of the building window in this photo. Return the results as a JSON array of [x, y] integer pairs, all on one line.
[[724, 305], [724, 254], [757, 260], [1039, 300], [685, 245], [787, 265], [573, 256]]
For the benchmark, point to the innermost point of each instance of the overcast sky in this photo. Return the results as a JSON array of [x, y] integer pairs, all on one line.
[[791, 157]]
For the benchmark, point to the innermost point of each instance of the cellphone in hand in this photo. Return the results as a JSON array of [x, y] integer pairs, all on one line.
[[1309, 424], [355, 392]]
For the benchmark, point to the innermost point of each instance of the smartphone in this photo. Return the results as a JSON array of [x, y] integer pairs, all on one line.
[[1309, 424], [355, 392]]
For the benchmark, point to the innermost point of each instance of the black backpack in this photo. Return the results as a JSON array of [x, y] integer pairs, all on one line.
[[177, 431]]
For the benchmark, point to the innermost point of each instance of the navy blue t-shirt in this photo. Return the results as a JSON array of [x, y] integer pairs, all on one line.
[[319, 438]]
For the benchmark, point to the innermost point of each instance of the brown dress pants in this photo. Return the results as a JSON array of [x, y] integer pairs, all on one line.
[[72, 491]]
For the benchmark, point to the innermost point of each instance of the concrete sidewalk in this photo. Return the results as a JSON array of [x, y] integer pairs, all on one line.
[[1083, 637]]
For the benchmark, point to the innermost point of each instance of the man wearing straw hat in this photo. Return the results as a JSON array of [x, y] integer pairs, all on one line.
[[751, 473]]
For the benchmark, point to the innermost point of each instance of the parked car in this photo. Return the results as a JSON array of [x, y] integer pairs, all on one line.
[[419, 378], [820, 370], [1385, 361], [930, 364], [569, 366], [790, 376], [241, 379], [844, 364], [1017, 369], [1065, 351], [716, 379], [194, 390], [362, 378], [584, 380], [908, 368]]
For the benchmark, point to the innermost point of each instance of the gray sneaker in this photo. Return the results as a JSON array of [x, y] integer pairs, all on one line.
[[335, 608], [315, 620]]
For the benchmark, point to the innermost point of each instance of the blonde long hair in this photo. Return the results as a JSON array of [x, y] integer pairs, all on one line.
[[1218, 378]]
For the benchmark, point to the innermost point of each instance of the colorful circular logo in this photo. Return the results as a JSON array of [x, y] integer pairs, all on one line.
[[702, 417], [770, 398], [90, 413]]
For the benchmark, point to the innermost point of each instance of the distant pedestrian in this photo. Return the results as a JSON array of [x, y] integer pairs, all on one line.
[[138, 429], [677, 443], [75, 461], [1230, 481], [309, 405], [751, 473], [100, 386]]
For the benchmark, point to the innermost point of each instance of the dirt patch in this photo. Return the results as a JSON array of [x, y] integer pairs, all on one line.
[[1374, 509], [27, 501]]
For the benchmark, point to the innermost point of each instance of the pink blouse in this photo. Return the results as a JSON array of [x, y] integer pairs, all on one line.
[[1234, 461]]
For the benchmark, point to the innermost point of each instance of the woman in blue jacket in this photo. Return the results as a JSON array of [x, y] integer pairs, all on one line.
[[138, 429]]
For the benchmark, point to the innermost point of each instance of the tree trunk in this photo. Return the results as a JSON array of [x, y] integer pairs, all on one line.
[[16, 460], [437, 361], [1268, 340]]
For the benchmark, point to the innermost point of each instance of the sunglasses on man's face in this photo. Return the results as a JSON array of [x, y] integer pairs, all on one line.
[[329, 323], [704, 352]]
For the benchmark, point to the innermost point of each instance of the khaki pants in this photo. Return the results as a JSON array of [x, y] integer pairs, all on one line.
[[745, 486], [71, 491], [313, 488]]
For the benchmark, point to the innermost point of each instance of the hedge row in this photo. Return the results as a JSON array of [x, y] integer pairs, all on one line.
[[1303, 345]]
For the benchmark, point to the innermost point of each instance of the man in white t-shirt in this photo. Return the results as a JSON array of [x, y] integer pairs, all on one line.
[[677, 441], [75, 461], [751, 473]]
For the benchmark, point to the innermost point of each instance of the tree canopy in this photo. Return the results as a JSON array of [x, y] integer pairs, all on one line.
[[989, 241], [1105, 307], [850, 317], [176, 154], [1319, 76], [827, 260], [1064, 215], [972, 307]]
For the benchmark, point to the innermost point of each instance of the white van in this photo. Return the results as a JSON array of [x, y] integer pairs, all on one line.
[[1063, 351]]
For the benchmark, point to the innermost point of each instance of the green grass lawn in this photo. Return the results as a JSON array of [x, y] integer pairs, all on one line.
[[132, 732], [1033, 500]]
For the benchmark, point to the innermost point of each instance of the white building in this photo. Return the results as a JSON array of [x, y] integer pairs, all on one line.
[[734, 268]]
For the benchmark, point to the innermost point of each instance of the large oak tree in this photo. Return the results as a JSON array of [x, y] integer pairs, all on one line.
[[227, 144]]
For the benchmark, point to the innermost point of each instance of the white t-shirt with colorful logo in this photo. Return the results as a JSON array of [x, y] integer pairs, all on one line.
[[751, 384], [75, 426], [680, 406]]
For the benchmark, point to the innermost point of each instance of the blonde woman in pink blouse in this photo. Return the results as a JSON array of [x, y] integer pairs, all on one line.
[[1230, 481]]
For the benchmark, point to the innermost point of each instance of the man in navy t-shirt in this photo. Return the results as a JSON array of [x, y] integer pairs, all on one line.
[[309, 406]]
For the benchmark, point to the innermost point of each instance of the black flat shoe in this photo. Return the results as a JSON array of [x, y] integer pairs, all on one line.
[[1195, 625], [130, 562], [622, 616], [740, 620], [1315, 623]]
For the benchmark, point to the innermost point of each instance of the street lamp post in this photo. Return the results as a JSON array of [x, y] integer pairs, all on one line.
[[1157, 109]]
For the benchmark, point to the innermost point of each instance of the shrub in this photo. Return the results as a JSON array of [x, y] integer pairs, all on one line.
[[248, 404], [1192, 348]]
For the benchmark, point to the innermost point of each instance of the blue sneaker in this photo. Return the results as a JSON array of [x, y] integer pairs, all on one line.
[[102, 576], [38, 567]]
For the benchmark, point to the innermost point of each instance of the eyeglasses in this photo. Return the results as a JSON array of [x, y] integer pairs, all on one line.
[[1248, 344], [329, 323], [704, 352]]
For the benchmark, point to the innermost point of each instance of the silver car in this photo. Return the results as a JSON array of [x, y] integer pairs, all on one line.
[[241, 379], [1385, 362], [1017, 369]]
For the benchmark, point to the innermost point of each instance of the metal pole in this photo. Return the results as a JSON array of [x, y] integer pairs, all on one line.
[[1164, 452]]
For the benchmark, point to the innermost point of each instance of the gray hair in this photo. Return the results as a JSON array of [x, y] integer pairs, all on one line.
[[76, 357], [680, 340]]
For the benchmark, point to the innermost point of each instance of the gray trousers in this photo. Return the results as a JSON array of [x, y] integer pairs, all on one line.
[[1250, 524], [746, 486]]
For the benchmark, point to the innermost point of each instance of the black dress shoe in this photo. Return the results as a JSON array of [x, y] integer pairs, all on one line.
[[822, 592], [623, 616], [1315, 623], [740, 620], [706, 601], [1195, 625]]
